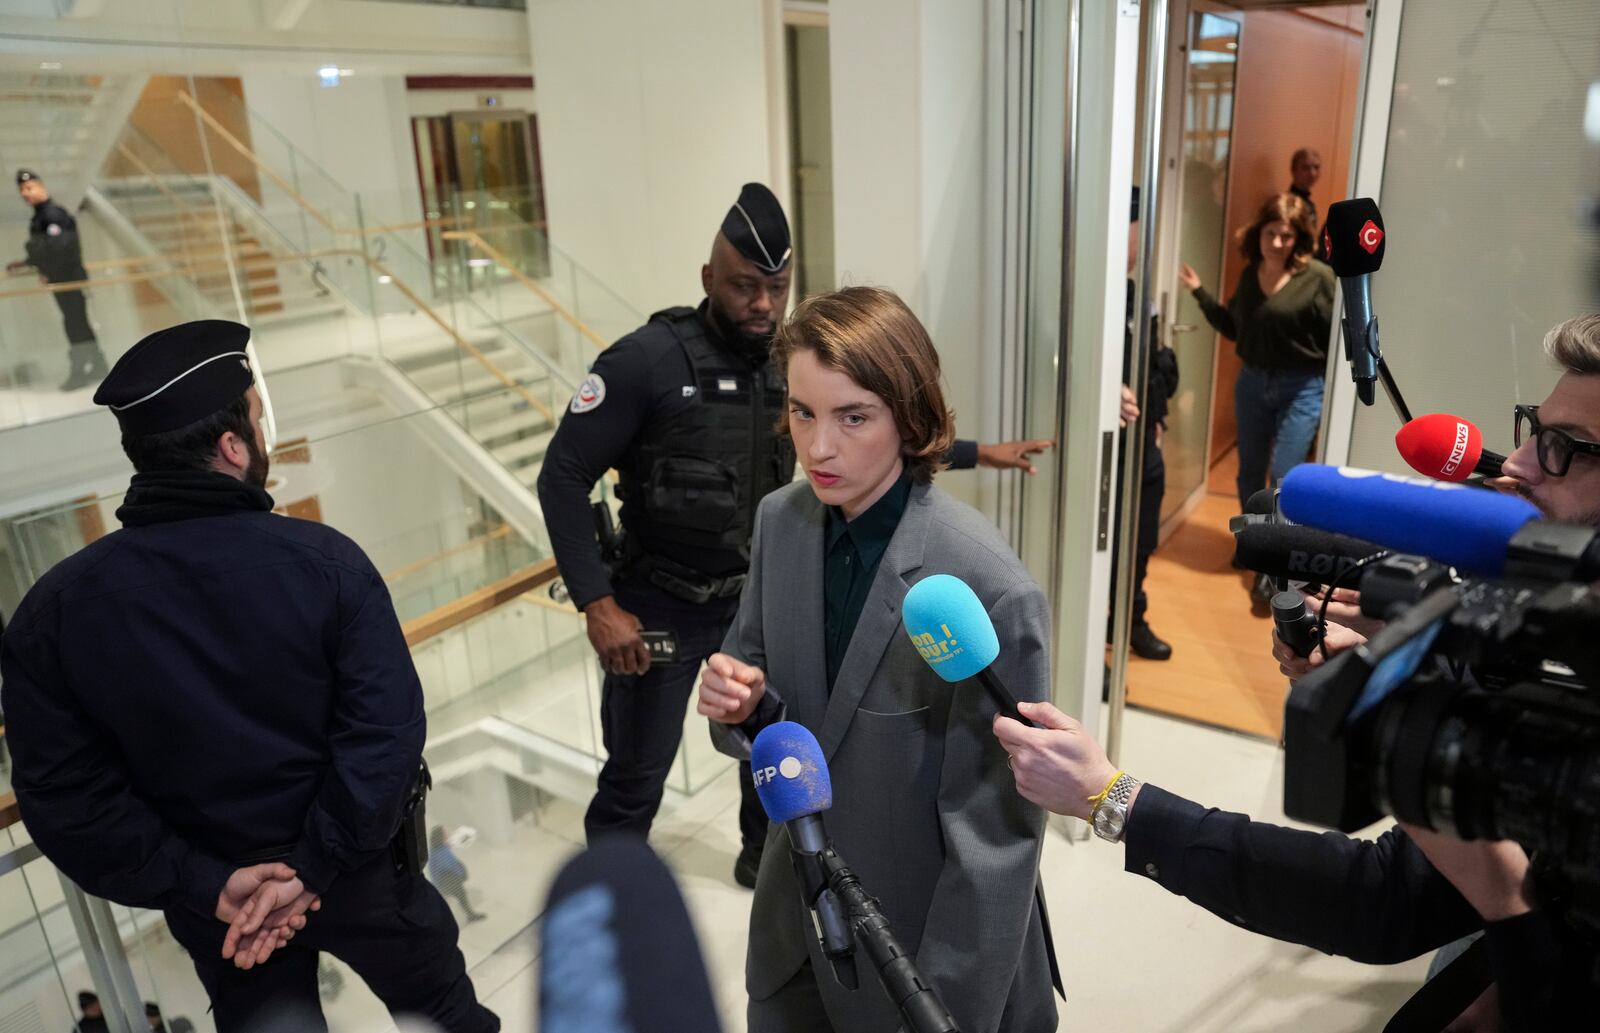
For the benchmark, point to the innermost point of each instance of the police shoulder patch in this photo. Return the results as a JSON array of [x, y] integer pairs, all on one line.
[[590, 394]]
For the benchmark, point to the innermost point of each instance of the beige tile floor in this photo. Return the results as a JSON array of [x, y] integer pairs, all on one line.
[[1135, 958]]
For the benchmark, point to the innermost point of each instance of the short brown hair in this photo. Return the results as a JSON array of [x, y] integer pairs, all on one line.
[[1283, 208], [1576, 344], [870, 336]]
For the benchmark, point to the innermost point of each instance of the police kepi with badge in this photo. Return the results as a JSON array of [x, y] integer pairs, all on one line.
[[686, 410], [213, 711]]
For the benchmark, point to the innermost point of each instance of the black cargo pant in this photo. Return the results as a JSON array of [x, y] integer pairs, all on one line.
[[75, 316], [394, 930], [1152, 489], [641, 717]]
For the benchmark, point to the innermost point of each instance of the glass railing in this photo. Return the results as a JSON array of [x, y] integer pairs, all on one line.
[[510, 683]]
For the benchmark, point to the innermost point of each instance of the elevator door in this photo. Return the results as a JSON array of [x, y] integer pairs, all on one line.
[[1206, 152]]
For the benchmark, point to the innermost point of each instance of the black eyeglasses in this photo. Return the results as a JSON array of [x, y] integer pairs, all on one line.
[[1555, 447]]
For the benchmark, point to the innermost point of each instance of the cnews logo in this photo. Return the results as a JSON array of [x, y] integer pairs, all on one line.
[[935, 650], [788, 767], [1458, 451], [1371, 236]]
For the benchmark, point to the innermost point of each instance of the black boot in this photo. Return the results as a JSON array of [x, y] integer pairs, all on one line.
[[748, 864], [1144, 643], [88, 366]]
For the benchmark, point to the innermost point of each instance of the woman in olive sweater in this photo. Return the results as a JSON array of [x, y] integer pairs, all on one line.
[[1280, 315]]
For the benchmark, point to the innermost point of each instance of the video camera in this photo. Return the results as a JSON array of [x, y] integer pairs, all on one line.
[[1474, 711]]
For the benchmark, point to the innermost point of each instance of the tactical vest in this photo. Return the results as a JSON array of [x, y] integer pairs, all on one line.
[[697, 475]]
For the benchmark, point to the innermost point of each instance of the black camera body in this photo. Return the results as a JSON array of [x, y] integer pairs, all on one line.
[[1475, 712]]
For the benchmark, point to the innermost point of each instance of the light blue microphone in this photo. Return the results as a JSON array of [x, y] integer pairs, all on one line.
[[952, 632]]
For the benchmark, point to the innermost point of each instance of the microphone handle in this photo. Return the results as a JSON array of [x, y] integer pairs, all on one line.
[[1002, 696], [808, 842], [921, 1010], [1295, 624], [1490, 464]]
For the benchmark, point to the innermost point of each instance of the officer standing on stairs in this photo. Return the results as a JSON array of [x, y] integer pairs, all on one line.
[[686, 409], [54, 250]]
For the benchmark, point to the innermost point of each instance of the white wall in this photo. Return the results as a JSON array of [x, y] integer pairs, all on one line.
[[223, 37], [910, 81], [652, 113], [359, 132]]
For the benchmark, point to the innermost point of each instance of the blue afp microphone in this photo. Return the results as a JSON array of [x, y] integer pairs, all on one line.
[[791, 778], [953, 634], [1467, 528]]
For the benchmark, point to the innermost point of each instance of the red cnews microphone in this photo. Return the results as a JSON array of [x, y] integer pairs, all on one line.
[[1446, 448]]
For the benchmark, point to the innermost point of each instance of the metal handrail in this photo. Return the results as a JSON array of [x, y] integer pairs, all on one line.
[[186, 268], [471, 237], [458, 611]]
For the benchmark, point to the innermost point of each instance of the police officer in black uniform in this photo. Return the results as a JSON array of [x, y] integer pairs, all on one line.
[[686, 410], [213, 711], [54, 250]]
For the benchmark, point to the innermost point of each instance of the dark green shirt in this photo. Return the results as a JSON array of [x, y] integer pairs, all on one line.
[[1287, 332], [852, 550]]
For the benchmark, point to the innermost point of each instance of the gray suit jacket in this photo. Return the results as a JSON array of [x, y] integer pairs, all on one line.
[[925, 810]]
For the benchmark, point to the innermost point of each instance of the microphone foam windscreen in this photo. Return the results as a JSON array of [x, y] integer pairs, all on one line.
[[949, 627], [1297, 553], [618, 950], [1464, 527], [1353, 237], [1441, 446], [790, 772]]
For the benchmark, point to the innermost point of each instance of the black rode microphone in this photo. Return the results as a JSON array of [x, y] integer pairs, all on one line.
[[1292, 552], [1353, 240], [617, 949]]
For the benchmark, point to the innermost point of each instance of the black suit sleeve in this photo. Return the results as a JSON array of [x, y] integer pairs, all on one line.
[[963, 455], [1377, 901], [375, 736], [587, 444], [76, 794]]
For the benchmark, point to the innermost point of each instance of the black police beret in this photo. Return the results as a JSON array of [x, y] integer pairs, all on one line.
[[23, 175], [177, 376], [757, 228]]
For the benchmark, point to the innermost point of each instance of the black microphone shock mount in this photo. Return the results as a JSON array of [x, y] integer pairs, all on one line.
[[831, 925], [921, 1010]]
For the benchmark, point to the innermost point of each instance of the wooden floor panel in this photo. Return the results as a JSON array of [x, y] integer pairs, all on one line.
[[1221, 671]]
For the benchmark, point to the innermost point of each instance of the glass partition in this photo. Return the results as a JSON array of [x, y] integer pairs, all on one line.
[[1486, 175]]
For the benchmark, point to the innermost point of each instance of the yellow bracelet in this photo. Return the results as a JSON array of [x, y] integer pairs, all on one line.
[[1100, 797]]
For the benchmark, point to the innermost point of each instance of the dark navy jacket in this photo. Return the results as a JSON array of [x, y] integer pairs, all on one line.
[[184, 696]]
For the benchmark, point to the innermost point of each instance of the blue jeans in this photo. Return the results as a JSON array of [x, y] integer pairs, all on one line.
[[1278, 414]]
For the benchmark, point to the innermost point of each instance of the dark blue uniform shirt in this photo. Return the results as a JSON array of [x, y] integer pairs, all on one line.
[[183, 696]]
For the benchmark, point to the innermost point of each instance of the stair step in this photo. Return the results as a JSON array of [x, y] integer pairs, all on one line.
[[491, 432], [524, 450]]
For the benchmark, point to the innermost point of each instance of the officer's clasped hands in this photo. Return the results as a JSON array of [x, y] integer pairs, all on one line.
[[264, 906]]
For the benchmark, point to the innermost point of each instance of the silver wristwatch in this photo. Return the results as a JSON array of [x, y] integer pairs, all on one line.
[[1110, 817]]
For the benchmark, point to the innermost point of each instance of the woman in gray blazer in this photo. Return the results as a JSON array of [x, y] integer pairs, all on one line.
[[924, 810]]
